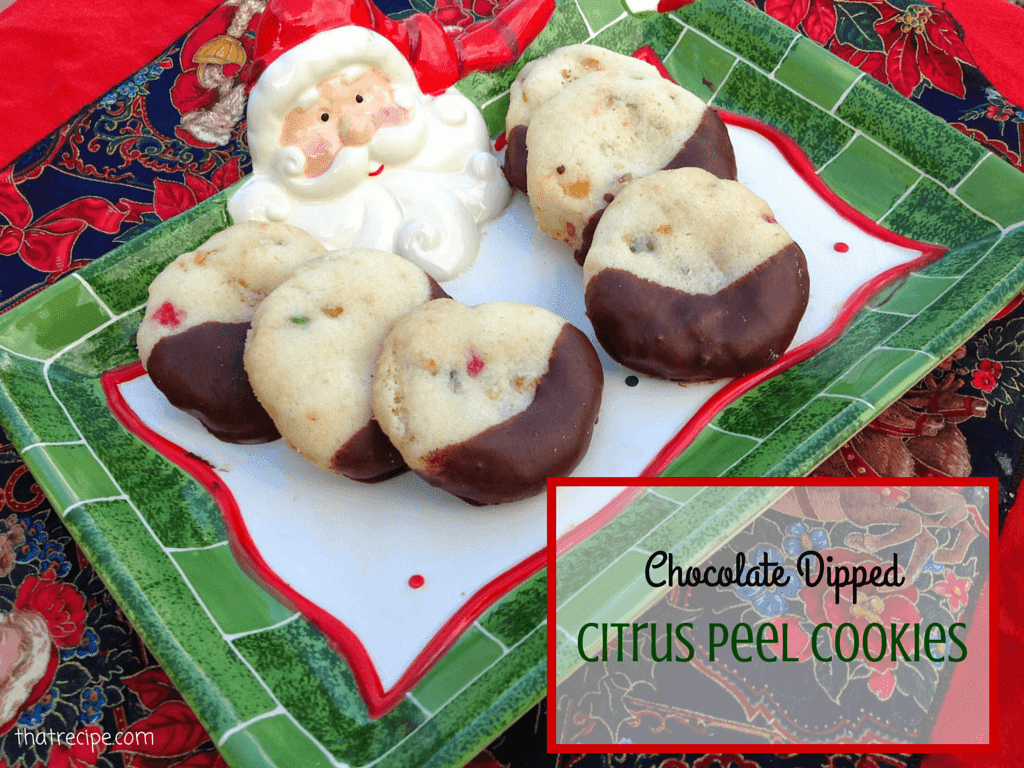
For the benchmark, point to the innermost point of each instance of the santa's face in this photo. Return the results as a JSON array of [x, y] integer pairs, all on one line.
[[347, 113]]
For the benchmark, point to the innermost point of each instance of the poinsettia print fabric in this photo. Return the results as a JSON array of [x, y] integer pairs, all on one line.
[[174, 134], [918, 49], [154, 146], [69, 661]]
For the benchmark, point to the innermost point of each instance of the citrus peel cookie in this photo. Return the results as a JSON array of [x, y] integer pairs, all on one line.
[[605, 130], [691, 278], [312, 355], [193, 333], [487, 402]]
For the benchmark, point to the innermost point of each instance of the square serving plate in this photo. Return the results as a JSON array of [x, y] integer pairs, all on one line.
[[269, 688]]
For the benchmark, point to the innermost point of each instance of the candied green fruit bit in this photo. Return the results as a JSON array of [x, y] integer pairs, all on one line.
[[453, 379], [641, 243], [300, 320]]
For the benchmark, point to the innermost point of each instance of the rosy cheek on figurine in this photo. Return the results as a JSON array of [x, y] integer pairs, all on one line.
[[347, 147], [319, 145]]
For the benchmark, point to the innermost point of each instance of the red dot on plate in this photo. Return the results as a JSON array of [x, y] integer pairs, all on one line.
[[416, 581], [841, 247]]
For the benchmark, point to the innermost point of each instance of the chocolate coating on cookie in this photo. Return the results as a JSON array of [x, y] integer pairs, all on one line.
[[690, 278], [516, 152], [368, 456], [200, 371], [513, 460], [198, 313], [708, 148], [671, 334]]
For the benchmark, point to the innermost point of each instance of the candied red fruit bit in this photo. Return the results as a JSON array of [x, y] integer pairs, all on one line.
[[769, 219], [169, 315], [435, 458], [474, 364]]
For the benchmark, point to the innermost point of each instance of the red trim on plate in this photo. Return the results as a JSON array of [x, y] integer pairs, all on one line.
[[1014, 303], [379, 701]]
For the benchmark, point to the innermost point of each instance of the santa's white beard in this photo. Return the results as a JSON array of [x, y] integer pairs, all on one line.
[[439, 183], [432, 219]]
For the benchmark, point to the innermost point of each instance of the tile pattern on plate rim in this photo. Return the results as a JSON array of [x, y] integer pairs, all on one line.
[[734, 57]]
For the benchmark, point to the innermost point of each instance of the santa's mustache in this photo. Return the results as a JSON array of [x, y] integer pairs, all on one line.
[[399, 143]]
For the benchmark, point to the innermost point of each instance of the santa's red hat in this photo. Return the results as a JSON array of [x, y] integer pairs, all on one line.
[[438, 59]]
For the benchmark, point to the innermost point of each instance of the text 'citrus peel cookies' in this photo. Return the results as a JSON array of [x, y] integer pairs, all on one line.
[[690, 278], [312, 355], [192, 336], [487, 402]]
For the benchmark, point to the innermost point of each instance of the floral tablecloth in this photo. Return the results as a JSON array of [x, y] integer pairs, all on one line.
[[172, 134]]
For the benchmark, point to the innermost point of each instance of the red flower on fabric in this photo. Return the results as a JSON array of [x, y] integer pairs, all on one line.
[[485, 759], [174, 737], [875, 605], [817, 17], [83, 752], [46, 243], [798, 642], [986, 375], [171, 734], [999, 113], [171, 198], [922, 41], [869, 62], [482, 8], [60, 604], [452, 16], [955, 589], [882, 685]]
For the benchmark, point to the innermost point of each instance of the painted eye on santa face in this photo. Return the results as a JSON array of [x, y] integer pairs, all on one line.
[[359, 98], [325, 117]]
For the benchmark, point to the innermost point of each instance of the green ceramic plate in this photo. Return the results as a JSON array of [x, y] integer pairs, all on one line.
[[268, 687]]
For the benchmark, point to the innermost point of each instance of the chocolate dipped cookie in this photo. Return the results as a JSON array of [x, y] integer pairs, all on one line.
[[691, 278], [193, 334], [542, 79], [605, 130], [312, 356], [487, 402]]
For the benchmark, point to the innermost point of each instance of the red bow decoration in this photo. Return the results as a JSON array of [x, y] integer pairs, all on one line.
[[45, 244]]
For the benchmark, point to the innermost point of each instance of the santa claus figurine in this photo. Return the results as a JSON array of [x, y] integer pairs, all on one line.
[[349, 144]]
